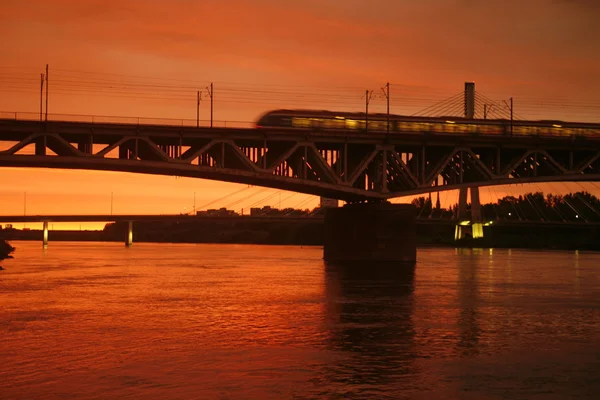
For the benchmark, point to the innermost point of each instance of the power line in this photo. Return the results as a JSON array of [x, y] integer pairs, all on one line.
[[68, 82]]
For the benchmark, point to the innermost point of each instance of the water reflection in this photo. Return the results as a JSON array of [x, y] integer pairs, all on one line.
[[369, 319], [468, 302]]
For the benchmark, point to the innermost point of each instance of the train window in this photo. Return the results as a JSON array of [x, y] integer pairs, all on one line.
[[351, 124], [298, 122], [375, 125], [402, 126], [496, 129], [332, 123]]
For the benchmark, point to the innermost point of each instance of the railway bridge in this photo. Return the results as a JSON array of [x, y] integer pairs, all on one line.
[[341, 164], [351, 165]]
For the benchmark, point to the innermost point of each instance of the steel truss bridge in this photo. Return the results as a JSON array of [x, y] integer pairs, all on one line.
[[340, 164]]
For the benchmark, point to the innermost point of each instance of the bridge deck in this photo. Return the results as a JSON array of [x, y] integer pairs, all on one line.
[[347, 165]]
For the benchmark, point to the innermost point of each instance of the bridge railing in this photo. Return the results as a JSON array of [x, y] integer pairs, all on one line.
[[438, 127], [112, 119]]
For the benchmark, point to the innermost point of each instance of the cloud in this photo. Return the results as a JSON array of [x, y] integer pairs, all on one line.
[[427, 42]]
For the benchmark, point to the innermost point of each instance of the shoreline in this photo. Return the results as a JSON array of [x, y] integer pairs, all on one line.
[[465, 244]]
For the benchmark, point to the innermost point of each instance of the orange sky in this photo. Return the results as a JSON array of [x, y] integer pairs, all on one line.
[[535, 51]]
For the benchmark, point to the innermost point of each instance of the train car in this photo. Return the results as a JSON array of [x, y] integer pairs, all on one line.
[[317, 120]]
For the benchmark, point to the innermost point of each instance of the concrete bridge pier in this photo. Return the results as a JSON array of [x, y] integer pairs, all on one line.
[[476, 224], [129, 238], [472, 226], [45, 236], [370, 232]]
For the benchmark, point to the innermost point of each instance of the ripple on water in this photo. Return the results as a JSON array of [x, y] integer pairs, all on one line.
[[96, 320]]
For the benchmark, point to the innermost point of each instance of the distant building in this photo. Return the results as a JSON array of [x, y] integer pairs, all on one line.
[[262, 212], [329, 203], [221, 212]]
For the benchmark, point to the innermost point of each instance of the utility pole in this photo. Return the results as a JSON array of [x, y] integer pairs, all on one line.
[[210, 93], [511, 116], [386, 92], [511, 113], [485, 111], [41, 97], [46, 92], [24, 207], [198, 109], [194, 203], [111, 203], [367, 99]]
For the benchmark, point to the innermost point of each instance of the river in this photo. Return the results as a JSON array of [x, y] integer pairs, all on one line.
[[180, 321]]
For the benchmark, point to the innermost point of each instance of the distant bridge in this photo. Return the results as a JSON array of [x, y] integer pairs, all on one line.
[[148, 218], [131, 218], [352, 166], [255, 218]]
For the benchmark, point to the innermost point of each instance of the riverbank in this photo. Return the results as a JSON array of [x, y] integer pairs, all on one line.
[[5, 251], [310, 233]]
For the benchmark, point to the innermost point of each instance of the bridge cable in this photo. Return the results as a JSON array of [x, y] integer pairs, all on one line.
[[492, 203], [453, 108], [495, 109], [516, 210], [586, 203], [515, 115], [302, 203], [551, 207], [534, 207], [291, 210], [456, 110], [517, 215], [261, 201], [270, 197], [573, 196], [577, 213], [556, 204], [437, 105], [203, 207], [262, 190], [445, 109], [579, 195]]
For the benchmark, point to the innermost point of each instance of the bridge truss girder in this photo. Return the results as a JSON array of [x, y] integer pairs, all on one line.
[[347, 167]]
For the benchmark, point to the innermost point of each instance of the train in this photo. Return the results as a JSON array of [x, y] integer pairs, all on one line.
[[316, 120]]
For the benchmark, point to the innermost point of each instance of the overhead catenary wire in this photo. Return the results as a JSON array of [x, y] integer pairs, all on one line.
[[408, 99]]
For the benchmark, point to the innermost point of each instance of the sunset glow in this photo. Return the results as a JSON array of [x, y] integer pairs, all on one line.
[[135, 58]]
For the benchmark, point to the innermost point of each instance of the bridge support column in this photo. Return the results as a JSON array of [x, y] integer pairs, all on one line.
[[40, 146], [45, 237], [472, 226], [129, 238], [379, 232], [476, 225]]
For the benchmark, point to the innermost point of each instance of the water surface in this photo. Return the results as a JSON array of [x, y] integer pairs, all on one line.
[[98, 320]]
